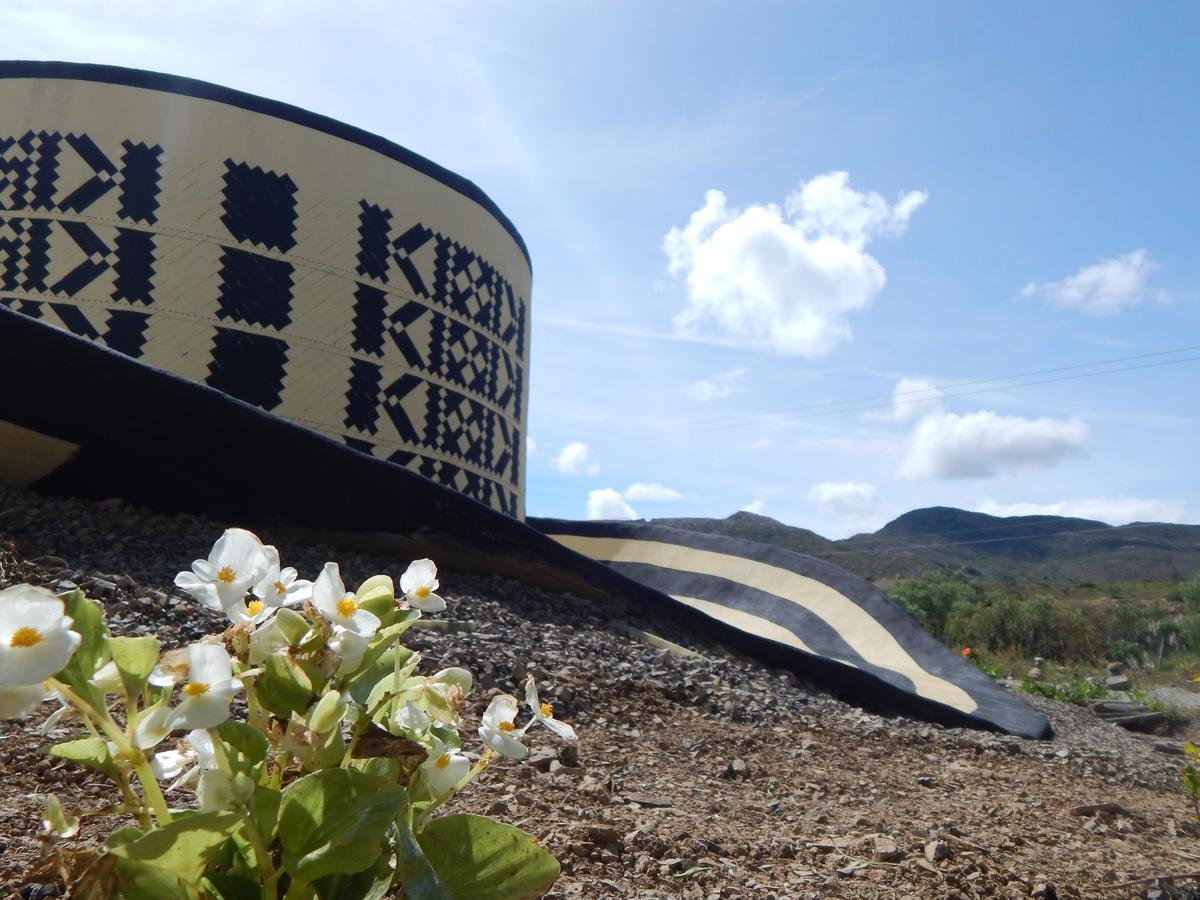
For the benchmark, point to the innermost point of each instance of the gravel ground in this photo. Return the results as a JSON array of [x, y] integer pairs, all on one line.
[[697, 773]]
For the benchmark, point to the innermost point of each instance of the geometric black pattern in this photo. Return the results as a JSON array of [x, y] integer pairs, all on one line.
[[255, 289], [122, 330], [423, 300], [248, 366], [139, 182], [31, 166], [260, 206], [134, 266], [362, 397]]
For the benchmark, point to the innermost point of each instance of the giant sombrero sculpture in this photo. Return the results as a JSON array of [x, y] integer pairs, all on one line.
[[216, 303]]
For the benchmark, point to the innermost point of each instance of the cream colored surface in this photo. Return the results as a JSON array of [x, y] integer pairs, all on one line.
[[747, 622], [332, 177], [868, 638], [28, 456]]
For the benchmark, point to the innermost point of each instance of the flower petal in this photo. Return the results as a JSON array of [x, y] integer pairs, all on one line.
[[18, 702]]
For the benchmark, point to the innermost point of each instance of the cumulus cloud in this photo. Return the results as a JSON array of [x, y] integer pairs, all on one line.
[[754, 506], [910, 398], [845, 499], [788, 276], [652, 493], [530, 445], [982, 444], [606, 503], [1113, 510], [716, 387], [1102, 289], [573, 460]]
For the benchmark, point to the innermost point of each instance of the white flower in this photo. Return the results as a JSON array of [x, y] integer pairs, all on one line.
[[209, 690], [418, 583], [236, 564], [339, 606], [108, 678], [185, 763], [281, 587], [152, 729], [499, 730], [445, 769], [544, 712], [449, 688], [18, 702], [250, 614], [36, 640], [172, 666], [350, 647], [412, 718]]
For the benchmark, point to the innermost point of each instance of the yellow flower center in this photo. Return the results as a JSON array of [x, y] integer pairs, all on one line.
[[443, 761], [25, 637], [347, 606], [226, 574], [422, 592], [506, 726], [254, 607], [280, 587], [195, 688], [547, 710]]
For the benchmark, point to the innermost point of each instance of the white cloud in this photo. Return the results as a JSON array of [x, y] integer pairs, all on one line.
[[786, 276], [1113, 510], [754, 506], [910, 398], [605, 503], [844, 499], [573, 460], [716, 387], [651, 493], [1101, 289], [982, 444], [530, 445]]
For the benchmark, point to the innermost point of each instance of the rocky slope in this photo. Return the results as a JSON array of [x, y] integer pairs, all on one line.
[[697, 773]]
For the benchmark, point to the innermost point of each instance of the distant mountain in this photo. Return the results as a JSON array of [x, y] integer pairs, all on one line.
[[1021, 548]]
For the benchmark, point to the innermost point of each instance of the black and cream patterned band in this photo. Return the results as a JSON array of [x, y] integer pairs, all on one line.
[[173, 252]]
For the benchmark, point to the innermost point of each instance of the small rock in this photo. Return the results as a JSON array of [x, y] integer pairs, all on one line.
[[1045, 890], [737, 769], [936, 850], [604, 834], [1117, 683], [541, 759], [886, 850]]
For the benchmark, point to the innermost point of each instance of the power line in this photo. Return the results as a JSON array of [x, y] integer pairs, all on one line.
[[846, 406]]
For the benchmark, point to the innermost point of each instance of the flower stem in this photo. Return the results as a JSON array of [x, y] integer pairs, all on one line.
[[125, 748]]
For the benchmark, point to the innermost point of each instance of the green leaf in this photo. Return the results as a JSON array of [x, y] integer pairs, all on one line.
[[94, 753], [89, 622], [465, 857], [184, 846], [224, 886], [333, 822], [378, 595], [377, 667], [245, 747], [135, 658], [140, 881], [265, 808], [369, 884], [287, 685]]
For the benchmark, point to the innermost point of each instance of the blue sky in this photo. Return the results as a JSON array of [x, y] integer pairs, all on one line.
[[911, 197]]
